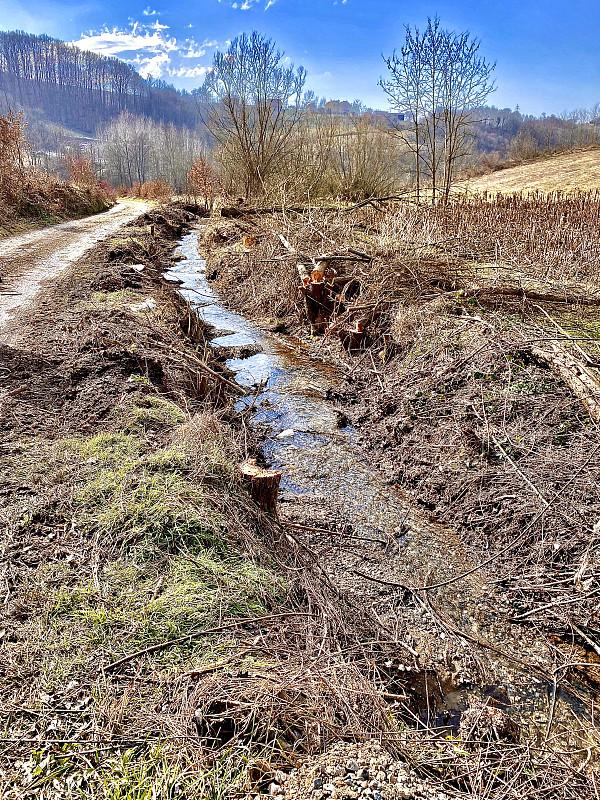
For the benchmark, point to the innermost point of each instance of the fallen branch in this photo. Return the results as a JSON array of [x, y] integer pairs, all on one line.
[[474, 290], [575, 374], [197, 362], [196, 634]]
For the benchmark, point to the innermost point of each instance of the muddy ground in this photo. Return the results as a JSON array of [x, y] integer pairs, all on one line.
[[163, 635], [459, 405], [119, 510]]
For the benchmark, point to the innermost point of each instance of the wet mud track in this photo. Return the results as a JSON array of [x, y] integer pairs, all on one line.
[[26, 261], [374, 544]]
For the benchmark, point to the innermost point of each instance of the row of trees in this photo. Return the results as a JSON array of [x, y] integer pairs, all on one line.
[[80, 89], [134, 149], [263, 131], [439, 81], [255, 111]]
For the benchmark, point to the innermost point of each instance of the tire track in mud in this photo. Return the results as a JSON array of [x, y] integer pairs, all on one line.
[[28, 260]]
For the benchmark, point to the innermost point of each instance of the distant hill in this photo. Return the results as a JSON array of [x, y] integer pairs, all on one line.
[[58, 83], [565, 172]]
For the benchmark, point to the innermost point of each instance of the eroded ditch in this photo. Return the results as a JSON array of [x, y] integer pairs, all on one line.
[[456, 637]]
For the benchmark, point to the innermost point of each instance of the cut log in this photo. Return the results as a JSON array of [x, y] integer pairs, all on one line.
[[317, 302], [576, 374], [263, 484]]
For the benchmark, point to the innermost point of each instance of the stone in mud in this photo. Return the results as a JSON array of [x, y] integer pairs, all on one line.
[[485, 723]]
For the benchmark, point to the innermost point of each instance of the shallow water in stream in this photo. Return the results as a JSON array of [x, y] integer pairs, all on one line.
[[322, 461], [315, 455]]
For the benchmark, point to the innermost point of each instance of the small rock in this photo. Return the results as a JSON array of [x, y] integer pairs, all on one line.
[[318, 784], [287, 434]]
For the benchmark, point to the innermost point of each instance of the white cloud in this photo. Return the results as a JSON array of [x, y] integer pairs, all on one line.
[[191, 53], [156, 26], [148, 12], [246, 5], [112, 42], [191, 72], [149, 49], [154, 67]]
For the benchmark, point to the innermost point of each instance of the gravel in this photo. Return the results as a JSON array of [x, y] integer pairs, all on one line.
[[350, 771]]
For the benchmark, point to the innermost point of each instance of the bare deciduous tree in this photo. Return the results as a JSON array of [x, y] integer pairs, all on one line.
[[202, 181], [253, 105], [439, 81]]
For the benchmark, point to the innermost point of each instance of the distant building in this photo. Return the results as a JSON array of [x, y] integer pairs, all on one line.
[[343, 108], [391, 116]]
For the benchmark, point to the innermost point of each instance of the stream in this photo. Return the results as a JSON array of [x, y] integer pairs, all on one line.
[[324, 463]]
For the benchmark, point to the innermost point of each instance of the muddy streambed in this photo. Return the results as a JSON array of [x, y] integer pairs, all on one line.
[[323, 463]]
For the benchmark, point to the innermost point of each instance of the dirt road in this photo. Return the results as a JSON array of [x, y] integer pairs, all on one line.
[[28, 260]]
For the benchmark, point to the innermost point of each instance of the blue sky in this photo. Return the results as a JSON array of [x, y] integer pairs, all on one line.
[[547, 51]]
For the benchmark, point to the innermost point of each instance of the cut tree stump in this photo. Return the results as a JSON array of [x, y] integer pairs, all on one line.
[[263, 484]]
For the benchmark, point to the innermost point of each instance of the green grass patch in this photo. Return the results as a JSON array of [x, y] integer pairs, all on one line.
[[172, 569], [127, 490], [142, 604], [159, 771], [144, 556], [120, 298], [152, 412]]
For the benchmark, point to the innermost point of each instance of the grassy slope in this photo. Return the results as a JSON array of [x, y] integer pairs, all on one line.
[[565, 172]]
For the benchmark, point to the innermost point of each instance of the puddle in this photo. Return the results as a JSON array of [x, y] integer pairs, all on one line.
[[323, 461]]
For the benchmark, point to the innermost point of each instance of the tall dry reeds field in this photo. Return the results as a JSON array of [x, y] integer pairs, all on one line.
[[550, 237], [544, 245], [579, 169]]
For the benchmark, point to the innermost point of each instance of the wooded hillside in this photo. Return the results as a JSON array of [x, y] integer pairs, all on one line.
[[80, 90]]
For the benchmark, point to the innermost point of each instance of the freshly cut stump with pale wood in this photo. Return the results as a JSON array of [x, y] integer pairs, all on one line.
[[263, 484]]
